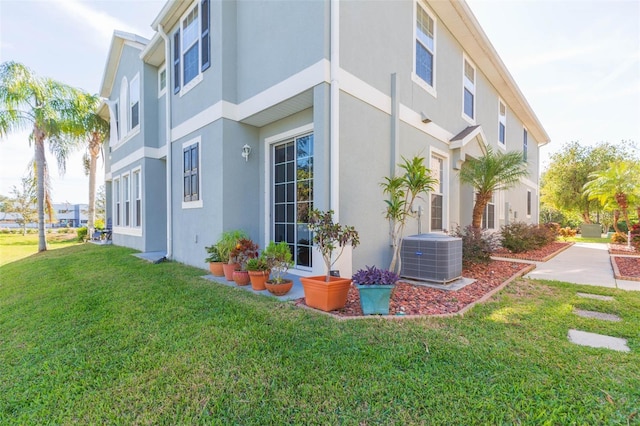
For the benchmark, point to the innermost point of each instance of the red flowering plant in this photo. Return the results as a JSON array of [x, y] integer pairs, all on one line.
[[375, 276], [244, 250]]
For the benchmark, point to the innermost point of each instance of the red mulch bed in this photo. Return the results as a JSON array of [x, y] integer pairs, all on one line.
[[628, 266], [410, 299], [623, 249], [536, 255]]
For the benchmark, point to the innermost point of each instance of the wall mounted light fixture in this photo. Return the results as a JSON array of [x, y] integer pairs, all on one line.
[[424, 118], [246, 150]]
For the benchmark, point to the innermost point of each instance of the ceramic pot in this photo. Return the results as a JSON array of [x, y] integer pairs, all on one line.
[[258, 278], [228, 270], [374, 299], [279, 289], [241, 277], [216, 269], [326, 296]]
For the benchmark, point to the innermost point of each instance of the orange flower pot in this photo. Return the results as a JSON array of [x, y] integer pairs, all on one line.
[[279, 289], [258, 278], [228, 270], [241, 277], [326, 296], [216, 269]]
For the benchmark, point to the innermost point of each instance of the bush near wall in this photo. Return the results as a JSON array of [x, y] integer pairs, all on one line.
[[477, 245], [519, 237]]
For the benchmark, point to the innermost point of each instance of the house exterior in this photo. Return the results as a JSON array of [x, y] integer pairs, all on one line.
[[245, 114]]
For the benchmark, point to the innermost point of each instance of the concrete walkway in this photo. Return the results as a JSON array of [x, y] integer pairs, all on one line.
[[582, 263]]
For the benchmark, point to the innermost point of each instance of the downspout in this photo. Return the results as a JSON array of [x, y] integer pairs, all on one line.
[[334, 115], [167, 131]]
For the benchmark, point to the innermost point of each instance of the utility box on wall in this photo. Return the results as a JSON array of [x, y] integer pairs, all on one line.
[[431, 257]]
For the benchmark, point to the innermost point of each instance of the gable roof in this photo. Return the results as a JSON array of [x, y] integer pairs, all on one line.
[[118, 41], [460, 21]]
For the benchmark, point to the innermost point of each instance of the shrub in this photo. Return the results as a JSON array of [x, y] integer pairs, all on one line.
[[618, 238], [477, 245], [82, 233], [99, 224], [542, 235], [567, 233], [516, 237], [635, 236]]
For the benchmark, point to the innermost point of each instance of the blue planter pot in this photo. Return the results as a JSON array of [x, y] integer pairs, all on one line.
[[374, 299]]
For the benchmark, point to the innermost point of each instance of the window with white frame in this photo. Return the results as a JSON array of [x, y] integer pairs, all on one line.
[[117, 202], [502, 123], [489, 216], [137, 195], [437, 195], [116, 110], [162, 81], [124, 117], [134, 101], [425, 46], [191, 45], [469, 90], [528, 202], [525, 143], [191, 168], [126, 192]]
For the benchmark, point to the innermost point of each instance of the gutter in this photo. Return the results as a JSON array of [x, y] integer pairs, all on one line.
[[167, 108]]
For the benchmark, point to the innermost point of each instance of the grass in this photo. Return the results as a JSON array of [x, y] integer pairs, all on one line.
[[579, 239], [92, 335], [17, 246]]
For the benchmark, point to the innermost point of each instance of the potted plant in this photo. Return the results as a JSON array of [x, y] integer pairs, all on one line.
[[259, 272], [326, 292], [226, 243], [279, 259], [375, 286], [244, 250], [215, 262]]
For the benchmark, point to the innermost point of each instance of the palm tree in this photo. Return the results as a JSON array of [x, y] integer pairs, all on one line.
[[619, 184], [47, 107], [493, 171]]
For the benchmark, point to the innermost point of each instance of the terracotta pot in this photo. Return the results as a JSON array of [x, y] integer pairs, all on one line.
[[228, 270], [216, 269], [241, 277], [326, 296], [258, 279], [279, 289]]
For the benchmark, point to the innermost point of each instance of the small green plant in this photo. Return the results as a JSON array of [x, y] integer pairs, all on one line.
[[82, 233], [329, 237], [227, 242], [99, 224], [477, 245], [244, 250], [257, 264], [519, 237], [279, 259], [214, 254], [567, 233]]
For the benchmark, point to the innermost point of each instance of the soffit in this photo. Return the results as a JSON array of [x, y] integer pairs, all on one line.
[[118, 41], [281, 110], [170, 14], [460, 21], [154, 52]]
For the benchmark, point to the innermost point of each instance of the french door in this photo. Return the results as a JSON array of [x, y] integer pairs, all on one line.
[[292, 197]]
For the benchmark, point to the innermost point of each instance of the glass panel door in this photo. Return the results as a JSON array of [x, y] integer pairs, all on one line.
[[292, 196]]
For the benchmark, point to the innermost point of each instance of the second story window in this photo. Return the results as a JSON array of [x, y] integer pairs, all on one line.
[[525, 143], [134, 102], [502, 123], [191, 46], [469, 90], [425, 46]]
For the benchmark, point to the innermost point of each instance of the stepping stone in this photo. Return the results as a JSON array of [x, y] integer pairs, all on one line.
[[594, 340], [595, 296], [597, 315]]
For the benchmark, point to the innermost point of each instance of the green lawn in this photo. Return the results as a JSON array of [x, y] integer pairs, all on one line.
[[92, 335], [579, 239], [17, 246]]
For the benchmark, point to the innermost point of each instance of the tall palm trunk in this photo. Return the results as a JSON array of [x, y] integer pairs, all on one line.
[[94, 151], [38, 138], [478, 209]]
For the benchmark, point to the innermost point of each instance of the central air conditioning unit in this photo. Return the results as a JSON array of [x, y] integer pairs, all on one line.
[[431, 257]]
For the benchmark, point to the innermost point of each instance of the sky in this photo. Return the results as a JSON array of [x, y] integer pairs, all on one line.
[[577, 62]]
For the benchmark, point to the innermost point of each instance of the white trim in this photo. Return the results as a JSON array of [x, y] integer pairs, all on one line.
[[126, 194], [431, 89], [289, 134], [136, 171], [139, 154], [197, 204], [471, 86], [357, 88], [123, 230], [162, 91], [446, 194], [127, 138], [414, 119], [193, 83], [529, 183]]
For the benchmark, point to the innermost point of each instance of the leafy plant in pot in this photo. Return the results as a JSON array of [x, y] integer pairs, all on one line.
[[226, 244], [279, 259], [328, 293], [244, 250], [375, 286], [215, 261], [259, 272]]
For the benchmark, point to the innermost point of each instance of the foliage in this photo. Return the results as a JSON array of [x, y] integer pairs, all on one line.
[[519, 237], [99, 224], [567, 232], [227, 242], [635, 236], [329, 237], [563, 181], [493, 171], [82, 233], [24, 203], [403, 190], [618, 185], [244, 250], [257, 264], [477, 245], [101, 205], [375, 276], [214, 254], [279, 259], [619, 238], [128, 342]]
